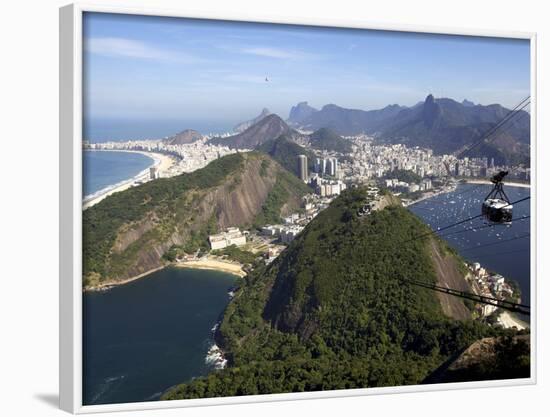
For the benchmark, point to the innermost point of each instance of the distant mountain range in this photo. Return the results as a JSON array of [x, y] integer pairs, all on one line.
[[263, 133], [441, 124], [341, 120], [444, 125], [447, 126]]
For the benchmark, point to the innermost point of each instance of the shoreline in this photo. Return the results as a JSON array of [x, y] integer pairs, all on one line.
[[207, 264], [213, 265], [110, 284], [161, 161], [473, 181], [508, 321], [506, 183]]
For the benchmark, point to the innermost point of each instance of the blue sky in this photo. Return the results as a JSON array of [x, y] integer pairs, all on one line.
[[139, 67]]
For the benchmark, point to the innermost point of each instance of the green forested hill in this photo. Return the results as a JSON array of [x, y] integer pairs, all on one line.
[[326, 139], [331, 312], [286, 152], [128, 233]]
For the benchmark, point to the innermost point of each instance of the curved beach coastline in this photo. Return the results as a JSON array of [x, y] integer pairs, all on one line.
[[215, 265], [161, 161], [232, 268]]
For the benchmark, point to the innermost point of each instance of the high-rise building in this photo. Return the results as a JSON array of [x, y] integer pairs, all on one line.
[[154, 173], [319, 166], [302, 167], [332, 166]]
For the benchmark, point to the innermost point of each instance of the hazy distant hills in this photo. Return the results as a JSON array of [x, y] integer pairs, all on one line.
[[442, 124], [241, 127], [341, 120], [446, 126], [300, 113], [268, 128], [183, 138]]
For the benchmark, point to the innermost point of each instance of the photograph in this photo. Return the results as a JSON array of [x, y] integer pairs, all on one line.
[[274, 208]]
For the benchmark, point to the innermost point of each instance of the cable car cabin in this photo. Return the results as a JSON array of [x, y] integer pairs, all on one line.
[[496, 210]]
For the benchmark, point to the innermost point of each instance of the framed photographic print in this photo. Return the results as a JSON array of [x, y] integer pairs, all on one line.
[[262, 210]]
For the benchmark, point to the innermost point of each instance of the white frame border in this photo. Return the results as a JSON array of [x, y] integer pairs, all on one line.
[[70, 202]]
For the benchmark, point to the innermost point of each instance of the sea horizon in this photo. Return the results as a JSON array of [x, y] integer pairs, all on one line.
[[98, 130]]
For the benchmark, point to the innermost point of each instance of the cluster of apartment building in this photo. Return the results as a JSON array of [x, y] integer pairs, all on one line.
[[490, 285], [485, 167], [326, 166], [327, 187], [231, 236], [424, 185], [295, 223], [190, 157], [370, 161]]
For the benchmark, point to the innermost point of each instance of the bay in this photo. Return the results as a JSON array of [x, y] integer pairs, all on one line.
[[102, 169], [143, 337], [504, 249]]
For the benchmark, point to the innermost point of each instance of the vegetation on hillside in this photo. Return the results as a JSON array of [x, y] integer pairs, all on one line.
[[404, 175], [285, 186], [326, 139], [332, 311], [102, 222], [236, 254], [164, 218], [286, 152]]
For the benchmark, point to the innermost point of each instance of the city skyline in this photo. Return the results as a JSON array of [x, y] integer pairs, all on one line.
[[139, 67]]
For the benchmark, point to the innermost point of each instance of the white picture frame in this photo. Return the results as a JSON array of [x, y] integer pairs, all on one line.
[[70, 153]]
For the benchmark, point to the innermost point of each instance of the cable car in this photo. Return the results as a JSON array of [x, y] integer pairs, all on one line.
[[497, 208]]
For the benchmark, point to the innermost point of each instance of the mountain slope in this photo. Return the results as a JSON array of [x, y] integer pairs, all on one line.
[[327, 139], [447, 126], [127, 233], [487, 359], [286, 152], [331, 312], [241, 127], [301, 112], [183, 138], [270, 127]]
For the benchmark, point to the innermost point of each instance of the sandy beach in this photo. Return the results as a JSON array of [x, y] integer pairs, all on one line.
[[213, 264], [161, 161], [508, 321]]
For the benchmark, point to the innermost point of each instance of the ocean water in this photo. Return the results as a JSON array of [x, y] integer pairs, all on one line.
[[143, 337], [104, 130], [102, 169], [504, 249]]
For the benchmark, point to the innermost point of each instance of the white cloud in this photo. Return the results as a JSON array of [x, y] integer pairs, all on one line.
[[130, 48], [278, 53]]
